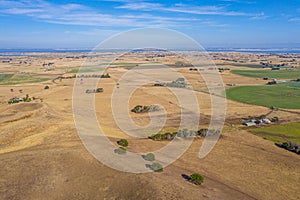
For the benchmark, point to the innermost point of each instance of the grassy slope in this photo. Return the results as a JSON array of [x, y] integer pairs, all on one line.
[[246, 65], [126, 64], [5, 77], [280, 96], [281, 74], [85, 70], [293, 84], [10, 79], [280, 133]]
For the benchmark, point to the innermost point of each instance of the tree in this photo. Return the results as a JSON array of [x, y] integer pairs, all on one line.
[[105, 75], [157, 136], [262, 117], [99, 90], [164, 137], [157, 167], [202, 132], [120, 150], [257, 122], [251, 117], [137, 109], [275, 119], [169, 136], [143, 109], [149, 157], [26, 99], [123, 142], [197, 179]]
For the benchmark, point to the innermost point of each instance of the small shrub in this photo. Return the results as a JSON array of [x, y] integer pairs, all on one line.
[[137, 109], [157, 167], [149, 157], [123, 142], [262, 117], [202, 132], [99, 90], [197, 179], [105, 76], [46, 87], [143, 109], [275, 119], [120, 150], [291, 146], [169, 136], [155, 137], [154, 108], [27, 99], [257, 122], [183, 133]]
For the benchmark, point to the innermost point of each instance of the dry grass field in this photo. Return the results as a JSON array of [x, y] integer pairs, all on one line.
[[42, 157]]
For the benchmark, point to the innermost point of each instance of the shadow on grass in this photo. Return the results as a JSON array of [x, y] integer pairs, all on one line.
[[186, 177]]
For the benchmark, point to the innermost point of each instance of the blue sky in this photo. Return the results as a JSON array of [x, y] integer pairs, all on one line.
[[213, 23]]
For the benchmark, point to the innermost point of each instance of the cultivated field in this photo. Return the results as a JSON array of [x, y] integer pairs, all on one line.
[[280, 133], [279, 96], [13, 79], [262, 73]]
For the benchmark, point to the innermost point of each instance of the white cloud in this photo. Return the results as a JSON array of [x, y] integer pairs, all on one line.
[[73, 7], [141, 6], [260, 16], [295, 19], [97, 32], [184, 8], [239, 1], [213, 24], [76, 14], [22, 10]]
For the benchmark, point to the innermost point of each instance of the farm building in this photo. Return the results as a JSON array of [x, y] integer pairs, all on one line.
[[266, 121], [15, 100]]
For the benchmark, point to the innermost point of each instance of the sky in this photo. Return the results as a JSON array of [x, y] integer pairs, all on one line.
[[212, 23]]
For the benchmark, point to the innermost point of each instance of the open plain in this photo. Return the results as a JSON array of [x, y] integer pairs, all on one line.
[[42, 157]]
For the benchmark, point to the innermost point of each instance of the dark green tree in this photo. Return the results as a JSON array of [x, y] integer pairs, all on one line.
[[123, 142], [149, 157], [197, 179]]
